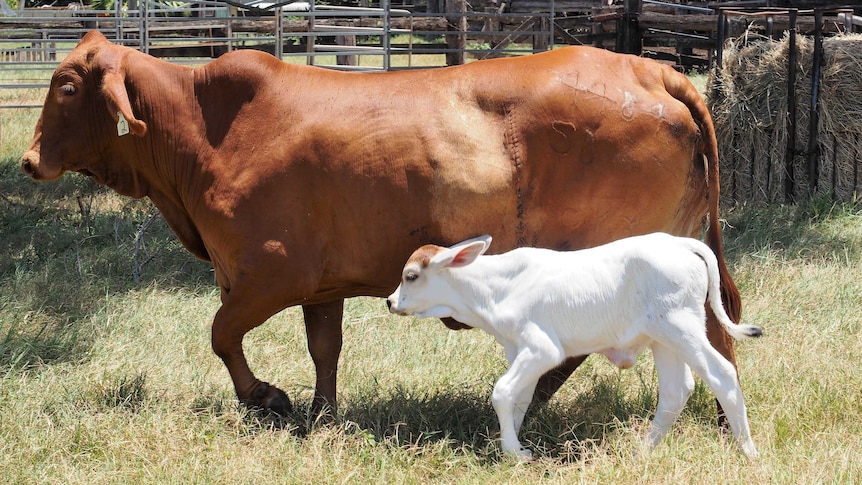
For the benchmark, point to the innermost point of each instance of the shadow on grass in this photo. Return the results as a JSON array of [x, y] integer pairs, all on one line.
[[464, 421], [68, 247]]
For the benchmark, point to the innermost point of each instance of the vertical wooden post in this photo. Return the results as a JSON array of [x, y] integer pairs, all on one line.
[[814, 115], [540, 39], [790, 150], [597, 28], [311, 38], [456, 21], [345, 59], [629, 39], [279, 33], [491, 23], [721, 30]]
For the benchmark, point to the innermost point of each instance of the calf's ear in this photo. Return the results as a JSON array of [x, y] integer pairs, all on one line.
[[461, 254], [114, 88]]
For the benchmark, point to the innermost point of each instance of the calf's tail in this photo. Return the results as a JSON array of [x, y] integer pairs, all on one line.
[[713, 294]]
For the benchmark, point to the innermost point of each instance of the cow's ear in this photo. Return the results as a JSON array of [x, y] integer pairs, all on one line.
[[114, 88], [461, 254]]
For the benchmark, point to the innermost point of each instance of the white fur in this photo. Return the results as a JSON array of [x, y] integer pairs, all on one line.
[[618, 299]]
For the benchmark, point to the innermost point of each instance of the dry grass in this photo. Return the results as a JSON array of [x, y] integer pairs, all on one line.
[[106, 381]]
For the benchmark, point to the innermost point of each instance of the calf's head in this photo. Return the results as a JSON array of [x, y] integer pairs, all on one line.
[[86, 110], [429, 283]]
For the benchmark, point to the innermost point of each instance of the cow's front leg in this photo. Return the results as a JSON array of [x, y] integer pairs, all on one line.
[[233, 320], [323, 329]]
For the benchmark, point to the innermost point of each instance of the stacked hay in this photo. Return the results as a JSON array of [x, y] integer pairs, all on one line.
[[749, 103]]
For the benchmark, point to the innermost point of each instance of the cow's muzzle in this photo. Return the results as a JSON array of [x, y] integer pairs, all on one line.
[[32, 167], [28, 165]]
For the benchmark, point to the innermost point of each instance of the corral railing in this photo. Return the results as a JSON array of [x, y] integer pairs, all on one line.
[[33, 41], [377, 37]]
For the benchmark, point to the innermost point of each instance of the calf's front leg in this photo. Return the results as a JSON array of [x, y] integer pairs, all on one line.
[[525, 396], [537, 355]]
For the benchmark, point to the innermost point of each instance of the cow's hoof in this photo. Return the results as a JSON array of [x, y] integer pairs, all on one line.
[[271, 399]]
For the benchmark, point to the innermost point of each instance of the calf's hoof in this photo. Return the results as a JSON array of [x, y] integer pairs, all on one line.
[[522, 454], [269, 398]]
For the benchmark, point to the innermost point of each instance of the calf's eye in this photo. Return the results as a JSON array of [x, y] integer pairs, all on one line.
[[68, 89], [411, 277]]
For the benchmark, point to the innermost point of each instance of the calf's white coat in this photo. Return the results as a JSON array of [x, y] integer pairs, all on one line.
[[617, 299]]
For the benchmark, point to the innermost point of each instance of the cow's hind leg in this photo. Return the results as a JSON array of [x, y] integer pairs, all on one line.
[[724, 344], [233, 320], [323, 329], [675, 385]]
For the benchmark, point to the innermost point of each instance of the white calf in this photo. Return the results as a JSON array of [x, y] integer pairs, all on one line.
[[616, 299]]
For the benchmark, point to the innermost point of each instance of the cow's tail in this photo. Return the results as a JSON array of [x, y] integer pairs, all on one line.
[[680, 88], [737, 331]]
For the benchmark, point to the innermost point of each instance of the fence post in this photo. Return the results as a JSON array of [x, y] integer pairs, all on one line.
[[814, 116], [628, 31], [540, 39], [790, 150], [345, 59], [456, 21]]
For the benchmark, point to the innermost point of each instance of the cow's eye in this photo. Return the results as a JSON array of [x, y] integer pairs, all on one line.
[[68, 89], [409, 277]]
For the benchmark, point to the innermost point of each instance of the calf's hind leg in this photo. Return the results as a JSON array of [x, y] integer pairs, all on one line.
[[724, 344], [720, 375]]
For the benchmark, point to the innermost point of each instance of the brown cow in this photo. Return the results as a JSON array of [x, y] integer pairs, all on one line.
[[305, 186]]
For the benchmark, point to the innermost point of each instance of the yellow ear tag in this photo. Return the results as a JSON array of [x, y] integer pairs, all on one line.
[[122, 125]]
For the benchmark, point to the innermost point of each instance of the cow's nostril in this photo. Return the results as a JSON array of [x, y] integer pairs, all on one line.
[[27, 167]]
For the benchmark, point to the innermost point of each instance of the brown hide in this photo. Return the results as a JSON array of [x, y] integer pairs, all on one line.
[[304, 186]]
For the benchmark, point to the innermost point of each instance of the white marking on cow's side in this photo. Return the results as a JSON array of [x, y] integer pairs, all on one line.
[[618, 299], [628, 107]]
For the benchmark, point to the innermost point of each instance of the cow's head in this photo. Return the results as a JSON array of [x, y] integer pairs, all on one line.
[[86, 112], [426, 288]]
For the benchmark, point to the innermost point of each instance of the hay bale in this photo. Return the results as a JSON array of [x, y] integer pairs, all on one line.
[[748, 101]]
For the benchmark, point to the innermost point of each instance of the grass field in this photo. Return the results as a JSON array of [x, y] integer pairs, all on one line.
[[106, 372]]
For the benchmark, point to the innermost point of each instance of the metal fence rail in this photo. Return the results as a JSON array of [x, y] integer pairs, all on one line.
[[34, 40]]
